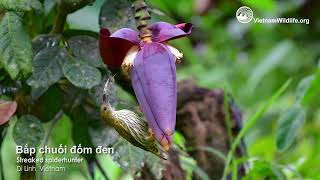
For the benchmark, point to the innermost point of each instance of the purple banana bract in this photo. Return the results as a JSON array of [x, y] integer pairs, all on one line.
[[153, 74]]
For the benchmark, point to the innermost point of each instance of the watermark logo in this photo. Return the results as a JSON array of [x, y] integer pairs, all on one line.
[[244, 14]]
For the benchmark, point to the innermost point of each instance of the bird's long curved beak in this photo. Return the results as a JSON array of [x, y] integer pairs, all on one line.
[[105, 92], [106, 89]]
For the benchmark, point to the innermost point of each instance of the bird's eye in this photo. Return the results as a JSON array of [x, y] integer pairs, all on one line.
[[104, 108]]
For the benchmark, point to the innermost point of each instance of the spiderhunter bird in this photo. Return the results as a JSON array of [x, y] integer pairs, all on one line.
[[129, 125]]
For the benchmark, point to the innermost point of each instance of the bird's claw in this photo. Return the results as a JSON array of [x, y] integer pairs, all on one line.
[[150, 134]]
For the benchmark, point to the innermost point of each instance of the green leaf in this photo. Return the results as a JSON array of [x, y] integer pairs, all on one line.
[[277, 171], [154, 164], [21, 5], [72, 96], [262, 169], [288, 125], [129, 157], [95, 94], [275, 56], [179, 140], [302, 88], [313, 90], [48, 105], [44, 40], [86, 48], [28, 130], [102, 135], [48, 5], [81, 74], [37, 92], [47, 65], [15, 46], [190, 163], [116, 14], [262, 5], [80, 129]]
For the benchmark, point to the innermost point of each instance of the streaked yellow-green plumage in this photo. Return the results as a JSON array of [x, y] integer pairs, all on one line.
[[131, 127]]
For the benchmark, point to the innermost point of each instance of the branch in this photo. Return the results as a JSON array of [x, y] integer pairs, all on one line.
[[46, 138], [1, 168], [66, 7], [25, 174], [101, 168], [61, 18], [2, 12], [2, 133]]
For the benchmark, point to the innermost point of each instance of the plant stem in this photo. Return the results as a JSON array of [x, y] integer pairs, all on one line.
[[142, 17], [46, 138], [2, 12], [1, 169], [101, 169], [60, 21], [65, 8], [1, 165], [250, 123], [27, 175], [227, 116]]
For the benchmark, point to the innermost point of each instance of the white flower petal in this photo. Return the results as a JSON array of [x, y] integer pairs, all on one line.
[[175, 51], [130, 56]]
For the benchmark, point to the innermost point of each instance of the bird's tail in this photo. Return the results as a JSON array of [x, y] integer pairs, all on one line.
[[161, 152], [164, 154]]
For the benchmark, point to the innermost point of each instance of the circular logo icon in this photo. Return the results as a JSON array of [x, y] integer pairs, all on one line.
[[244, 14]]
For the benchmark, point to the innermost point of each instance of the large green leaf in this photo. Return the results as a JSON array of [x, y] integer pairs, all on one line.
[[302, 88], [129, 157], [313, 90], [28, 130], [21, 5], [86, 48], [288, 126], [49, 104], [264, 170], [80, 129], [15, 46], [101, 134], [81, 74], [116, 14], [44, 40], [47, 66]]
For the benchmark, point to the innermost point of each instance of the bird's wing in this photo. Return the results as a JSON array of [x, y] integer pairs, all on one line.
[[132, 126], [137, 130]]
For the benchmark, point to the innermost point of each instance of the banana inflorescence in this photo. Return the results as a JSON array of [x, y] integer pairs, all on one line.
[[130, 126]]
